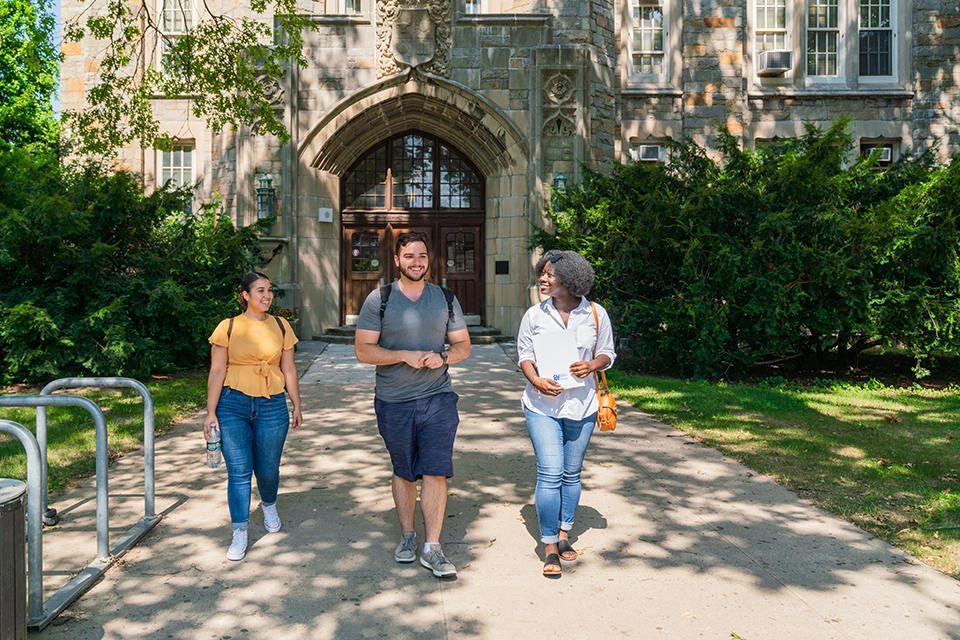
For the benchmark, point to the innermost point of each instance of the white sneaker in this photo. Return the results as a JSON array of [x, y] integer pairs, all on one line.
[[238, 548], [271, 519]]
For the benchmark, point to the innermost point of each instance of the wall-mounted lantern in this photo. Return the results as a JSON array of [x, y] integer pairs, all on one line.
[[560, 183], [266, 198], [559, 187]]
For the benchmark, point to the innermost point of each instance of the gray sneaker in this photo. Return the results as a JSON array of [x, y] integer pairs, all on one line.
[[407, 549], [434, 560]]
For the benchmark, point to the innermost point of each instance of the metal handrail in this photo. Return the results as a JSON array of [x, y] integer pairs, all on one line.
[[34, 526], [40, 616], [50, 515]]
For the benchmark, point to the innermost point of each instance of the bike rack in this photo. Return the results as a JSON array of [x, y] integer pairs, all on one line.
[[50, 515], [40, 613]]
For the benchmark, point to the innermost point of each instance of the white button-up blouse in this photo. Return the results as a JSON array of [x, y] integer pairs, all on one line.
[[579, 402]]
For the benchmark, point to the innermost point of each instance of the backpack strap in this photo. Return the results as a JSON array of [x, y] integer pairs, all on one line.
[[283, 331], [449, 295], [385, 295]]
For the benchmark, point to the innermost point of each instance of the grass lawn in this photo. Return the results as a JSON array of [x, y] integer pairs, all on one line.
[[70, 430], [886, 459]]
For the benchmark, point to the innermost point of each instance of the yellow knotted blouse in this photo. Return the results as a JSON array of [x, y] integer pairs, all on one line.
[[253, 354]]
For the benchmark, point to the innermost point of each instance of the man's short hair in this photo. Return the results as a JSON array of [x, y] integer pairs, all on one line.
[[411, 236]]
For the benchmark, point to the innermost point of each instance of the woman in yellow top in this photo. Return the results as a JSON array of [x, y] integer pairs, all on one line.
[[251, 365]]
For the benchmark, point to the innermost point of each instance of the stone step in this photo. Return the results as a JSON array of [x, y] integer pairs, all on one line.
[[478, 335]]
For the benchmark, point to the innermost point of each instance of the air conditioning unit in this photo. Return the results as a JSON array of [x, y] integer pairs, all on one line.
[[774, 63], [647, 153], [886, 154]]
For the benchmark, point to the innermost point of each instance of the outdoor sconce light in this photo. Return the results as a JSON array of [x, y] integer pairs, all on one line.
[[559, 186], [266, 198], [560, 183]]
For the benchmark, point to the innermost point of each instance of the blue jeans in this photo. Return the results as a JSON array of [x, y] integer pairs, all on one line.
[[252, 431], [560, 445]]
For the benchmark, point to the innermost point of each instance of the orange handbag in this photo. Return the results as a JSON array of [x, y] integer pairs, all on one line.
[[607, 413]]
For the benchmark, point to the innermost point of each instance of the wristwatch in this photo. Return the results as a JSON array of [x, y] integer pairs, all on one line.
[[443, 356]]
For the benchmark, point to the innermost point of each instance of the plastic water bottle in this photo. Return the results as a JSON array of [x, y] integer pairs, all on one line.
[[214, 456]]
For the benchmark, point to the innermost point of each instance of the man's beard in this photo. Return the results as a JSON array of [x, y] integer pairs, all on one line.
[[406, 273]]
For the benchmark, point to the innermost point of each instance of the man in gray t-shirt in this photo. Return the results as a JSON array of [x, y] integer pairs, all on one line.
[[415, 403]]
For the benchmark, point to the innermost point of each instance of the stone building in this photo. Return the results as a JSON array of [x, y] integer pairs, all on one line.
[[454, 118]]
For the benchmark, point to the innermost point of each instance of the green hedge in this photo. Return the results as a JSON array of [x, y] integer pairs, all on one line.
[[775, 255], [100, 279]]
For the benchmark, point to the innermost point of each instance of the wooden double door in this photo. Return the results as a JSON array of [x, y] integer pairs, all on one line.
[[456, 258]]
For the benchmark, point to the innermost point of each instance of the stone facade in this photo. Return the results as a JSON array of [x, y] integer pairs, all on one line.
[[527, 90]]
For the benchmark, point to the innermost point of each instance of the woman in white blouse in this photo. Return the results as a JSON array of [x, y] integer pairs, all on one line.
[[561, 420]]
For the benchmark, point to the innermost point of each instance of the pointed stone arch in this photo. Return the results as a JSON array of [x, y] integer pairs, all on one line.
[[433, 105]]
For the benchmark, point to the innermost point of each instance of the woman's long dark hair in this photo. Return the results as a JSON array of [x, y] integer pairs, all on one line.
[[247, 284]]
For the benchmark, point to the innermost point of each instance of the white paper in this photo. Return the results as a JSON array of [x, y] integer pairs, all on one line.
[[555, 352]]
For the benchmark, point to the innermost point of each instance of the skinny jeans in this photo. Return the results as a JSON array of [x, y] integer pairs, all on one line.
[[560, 445], [253, 431]]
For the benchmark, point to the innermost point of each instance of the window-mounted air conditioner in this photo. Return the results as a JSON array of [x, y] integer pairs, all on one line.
[[647, 153], [774, 63]]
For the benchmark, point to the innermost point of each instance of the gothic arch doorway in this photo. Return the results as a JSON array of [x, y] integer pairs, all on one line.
[[412, 181]]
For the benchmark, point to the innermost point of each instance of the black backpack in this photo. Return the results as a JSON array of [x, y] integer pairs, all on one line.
[[385, 295]]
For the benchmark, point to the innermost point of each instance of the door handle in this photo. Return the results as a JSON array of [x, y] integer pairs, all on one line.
[[381, 282], [444, 281]]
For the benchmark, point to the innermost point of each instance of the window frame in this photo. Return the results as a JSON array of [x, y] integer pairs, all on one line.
[[787, 22], [342, 7], [840, 75], [189, 146], [165, 36], [894, 43], [672, 29]]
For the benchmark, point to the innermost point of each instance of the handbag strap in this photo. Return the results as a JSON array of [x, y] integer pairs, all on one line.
[[596, 320]]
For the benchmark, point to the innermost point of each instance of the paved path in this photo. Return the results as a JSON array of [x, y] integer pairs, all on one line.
[[677, 541]]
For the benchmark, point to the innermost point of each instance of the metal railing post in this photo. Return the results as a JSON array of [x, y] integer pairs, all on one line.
[[149, 496], [34, 526], [103, 543]]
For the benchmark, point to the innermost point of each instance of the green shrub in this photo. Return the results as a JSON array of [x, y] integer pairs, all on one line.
[[780, 254], [100, 279]]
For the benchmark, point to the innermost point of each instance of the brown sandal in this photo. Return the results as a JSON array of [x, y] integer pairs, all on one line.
[[567, 552], [552, 560]]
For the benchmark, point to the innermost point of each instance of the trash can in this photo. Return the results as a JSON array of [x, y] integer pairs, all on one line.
[[13, 565]]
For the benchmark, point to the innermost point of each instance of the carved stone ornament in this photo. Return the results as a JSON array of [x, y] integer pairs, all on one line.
[[274, 94], [560, 103], [414, 39], [414, 36]]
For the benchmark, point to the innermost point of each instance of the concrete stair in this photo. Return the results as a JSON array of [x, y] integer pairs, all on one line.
[[478, 335]]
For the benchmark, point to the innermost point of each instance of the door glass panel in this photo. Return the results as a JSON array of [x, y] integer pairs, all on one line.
[[459, 185], [412, 172], [461, 254], [365, 253]]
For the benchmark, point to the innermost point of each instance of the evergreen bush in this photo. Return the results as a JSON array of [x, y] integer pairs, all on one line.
[[100, 279], [781, 254]]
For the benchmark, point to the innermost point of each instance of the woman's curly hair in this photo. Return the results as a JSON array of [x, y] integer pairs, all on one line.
[[571, 270]]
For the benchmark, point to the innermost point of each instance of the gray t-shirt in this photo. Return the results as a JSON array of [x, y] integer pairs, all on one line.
[[420, 325]]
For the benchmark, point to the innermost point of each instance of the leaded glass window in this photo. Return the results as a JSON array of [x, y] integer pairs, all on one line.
[[412, 171], [461, 252]]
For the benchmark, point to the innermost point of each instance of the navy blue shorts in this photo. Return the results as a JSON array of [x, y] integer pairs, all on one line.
[[419, 434]]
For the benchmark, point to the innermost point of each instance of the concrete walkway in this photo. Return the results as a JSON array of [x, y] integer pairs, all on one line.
[[676, 540]]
